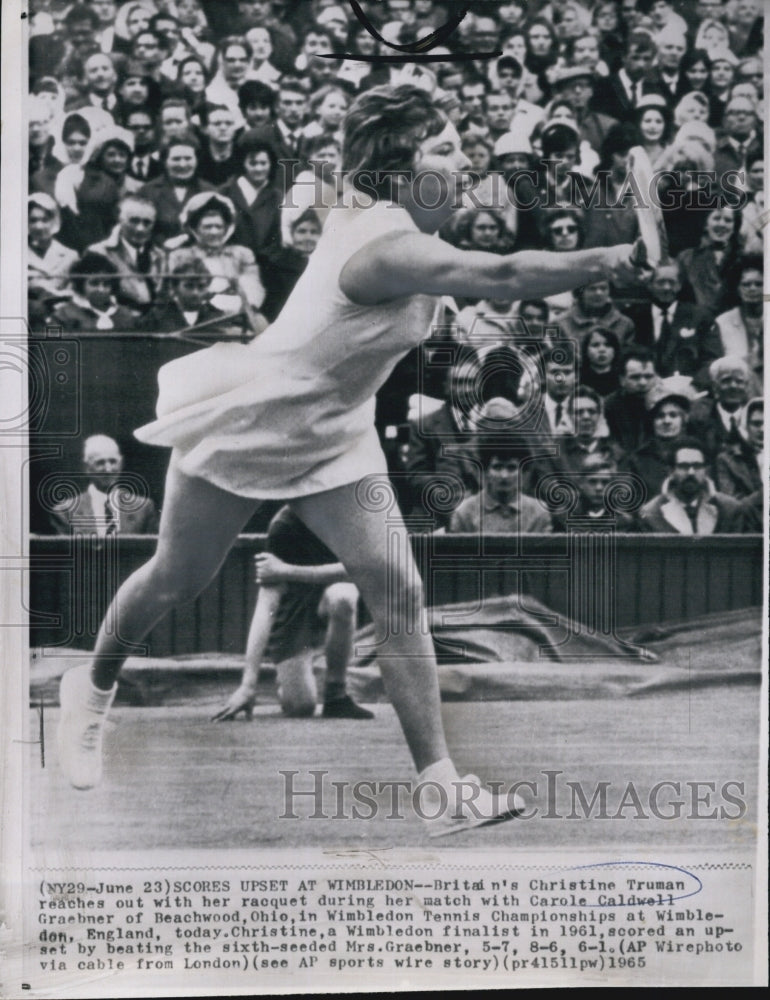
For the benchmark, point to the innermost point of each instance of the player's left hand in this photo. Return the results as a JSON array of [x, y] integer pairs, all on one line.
[[270, 569]]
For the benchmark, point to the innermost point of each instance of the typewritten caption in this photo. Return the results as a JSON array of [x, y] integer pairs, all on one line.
[[621, 921]]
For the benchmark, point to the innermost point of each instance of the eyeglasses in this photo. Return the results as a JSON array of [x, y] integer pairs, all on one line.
[[750, 284], [563, 230], [691, 465]]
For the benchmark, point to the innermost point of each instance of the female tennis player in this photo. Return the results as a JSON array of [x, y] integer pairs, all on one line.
[[290, 417]]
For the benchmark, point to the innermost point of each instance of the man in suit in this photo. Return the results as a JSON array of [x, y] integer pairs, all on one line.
[[130, 248], [145, 163], [442, 445], [741, 137], [617, 95], [106, 506], [716, 421], [625, 410], [665, 78], [682, 339], [285, 133], [98, 84], [688, 503]]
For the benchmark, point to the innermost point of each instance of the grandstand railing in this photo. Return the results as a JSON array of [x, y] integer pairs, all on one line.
[[624, 581]]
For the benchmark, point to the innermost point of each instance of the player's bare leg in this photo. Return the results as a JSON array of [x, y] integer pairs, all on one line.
[[365, 537], [198, 526]]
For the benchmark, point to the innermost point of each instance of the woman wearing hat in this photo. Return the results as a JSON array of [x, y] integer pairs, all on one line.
[[48, 261], [668, 405], [105, 181], [208, 221]]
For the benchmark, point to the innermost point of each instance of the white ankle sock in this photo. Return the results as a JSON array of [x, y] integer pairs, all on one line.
[[441, 771], [98, 700]]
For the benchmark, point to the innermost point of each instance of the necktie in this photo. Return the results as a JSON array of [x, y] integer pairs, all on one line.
[[692, 513], [144, 260], [140, 167], [111, 520], [559, 415], [665, 328], [734, 432]]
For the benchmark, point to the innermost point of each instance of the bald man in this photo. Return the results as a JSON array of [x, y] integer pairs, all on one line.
[[109, 504]]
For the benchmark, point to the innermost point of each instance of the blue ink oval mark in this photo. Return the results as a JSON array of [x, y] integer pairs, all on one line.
[[665, 897]]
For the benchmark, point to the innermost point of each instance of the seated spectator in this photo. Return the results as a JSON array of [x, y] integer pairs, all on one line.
[[668, 404], [721, 79], [93, 305], [615, 221], [694, 107], [217, 161], [598, 484], [130, 248], [741, 329], [75, 136], [327, 110], [625, 410], [717, 419], [618, 94], [175, 121], [590, 437], [740, 137], [319, 187], [192, 78], [48, 261], [654, 120], [105, 181], [180, 43], [482, 229], [688, 502], [553, 183], [682, 339], [136, 90], [98, 84], [208, 220], [740, 465], [131, 19], [500, 507], [43, 166], [108, 505], [282, 268], [187, 305], [442, 451], [601, 362], [145, 162], [490, 323], [575, 84], [285, 133], [231, 69], [257, 103], [177, 185], [254, 194], [593, 307], [753, 212], [705, 269]]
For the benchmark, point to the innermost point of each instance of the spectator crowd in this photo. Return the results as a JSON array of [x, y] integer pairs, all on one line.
[[184, 156]]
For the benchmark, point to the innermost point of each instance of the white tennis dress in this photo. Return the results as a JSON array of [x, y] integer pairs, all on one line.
[[292, 413]]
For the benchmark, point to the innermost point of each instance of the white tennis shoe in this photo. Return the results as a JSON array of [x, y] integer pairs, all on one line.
[[81, 726]]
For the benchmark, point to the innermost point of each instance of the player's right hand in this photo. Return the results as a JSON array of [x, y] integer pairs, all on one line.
[[239, 701]]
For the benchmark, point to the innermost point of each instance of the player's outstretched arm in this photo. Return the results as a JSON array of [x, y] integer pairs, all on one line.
[[402, 264], [242, 699]]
